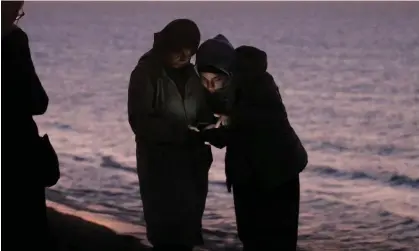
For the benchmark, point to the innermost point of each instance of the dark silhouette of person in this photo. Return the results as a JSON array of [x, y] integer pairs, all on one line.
[[165, 97], [23, 97], [264, 156]]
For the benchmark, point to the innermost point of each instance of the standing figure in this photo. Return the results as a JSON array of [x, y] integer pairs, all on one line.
[[165, 98], [264, 155], [24, 97]]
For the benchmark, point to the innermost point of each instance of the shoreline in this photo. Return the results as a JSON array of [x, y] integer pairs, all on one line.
[[81, 231], [77, 230]]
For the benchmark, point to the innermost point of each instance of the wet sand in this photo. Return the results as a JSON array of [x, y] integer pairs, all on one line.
[[78, 233]]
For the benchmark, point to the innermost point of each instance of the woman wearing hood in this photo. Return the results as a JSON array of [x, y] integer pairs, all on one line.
[[264, 156], [164, 98]]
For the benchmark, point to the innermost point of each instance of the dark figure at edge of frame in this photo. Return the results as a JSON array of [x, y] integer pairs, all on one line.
[[34, 163]]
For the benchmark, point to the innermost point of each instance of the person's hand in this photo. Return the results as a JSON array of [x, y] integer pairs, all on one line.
[[193, 128], [223, 120]]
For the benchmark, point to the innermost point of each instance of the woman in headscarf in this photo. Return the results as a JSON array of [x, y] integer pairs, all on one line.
[[165, 97], [264, 155]]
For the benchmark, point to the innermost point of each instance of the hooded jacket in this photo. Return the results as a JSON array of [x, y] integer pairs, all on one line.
[[262, 146], [217, 55], [216, 52]]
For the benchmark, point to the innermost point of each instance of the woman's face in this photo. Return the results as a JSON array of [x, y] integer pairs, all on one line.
[[180, 58], [213, 81]]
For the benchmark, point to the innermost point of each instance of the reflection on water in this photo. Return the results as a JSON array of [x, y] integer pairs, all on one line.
[[349, 74]]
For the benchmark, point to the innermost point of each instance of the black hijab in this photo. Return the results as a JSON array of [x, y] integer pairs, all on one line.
[[177, 35]]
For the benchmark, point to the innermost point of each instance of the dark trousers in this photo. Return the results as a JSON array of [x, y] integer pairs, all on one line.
[[38, 219], [267, 219], [30, 213]]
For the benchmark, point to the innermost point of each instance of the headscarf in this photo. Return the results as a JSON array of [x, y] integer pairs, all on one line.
[[178, 34]]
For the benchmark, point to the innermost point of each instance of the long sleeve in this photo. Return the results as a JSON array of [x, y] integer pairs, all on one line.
[[39, 99], [145, 123]]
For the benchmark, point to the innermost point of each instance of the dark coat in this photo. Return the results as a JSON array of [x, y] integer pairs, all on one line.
[[263, 146], [23, 96], [172, 162]]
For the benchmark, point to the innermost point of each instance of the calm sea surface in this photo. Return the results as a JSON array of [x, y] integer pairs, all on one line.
[[349, 74]]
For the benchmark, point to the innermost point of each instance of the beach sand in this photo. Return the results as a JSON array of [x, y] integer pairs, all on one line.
[[79, 231]]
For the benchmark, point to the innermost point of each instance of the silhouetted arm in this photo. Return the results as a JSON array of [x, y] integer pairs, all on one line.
[[39, 98], [144, 122]]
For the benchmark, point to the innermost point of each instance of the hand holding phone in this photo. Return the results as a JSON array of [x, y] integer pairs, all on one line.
[[193, 128]]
